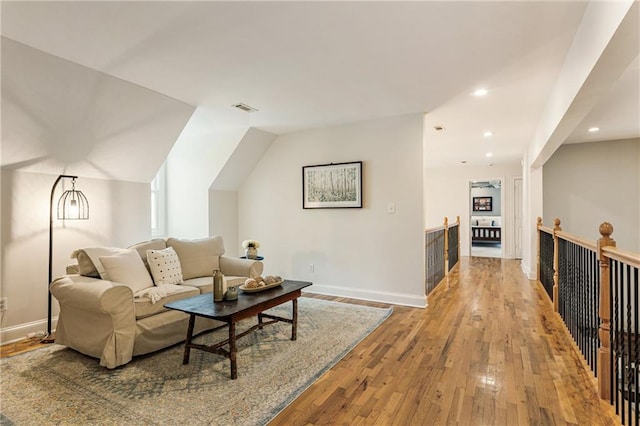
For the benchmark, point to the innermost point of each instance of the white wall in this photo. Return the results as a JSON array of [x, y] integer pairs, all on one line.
[[365, 253], [532, 209], [447, 194], [223, 196], [587, 184], [119, 216], [223, 219], [192, 165]]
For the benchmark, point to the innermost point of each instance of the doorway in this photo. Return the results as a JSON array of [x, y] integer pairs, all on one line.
[[486, 221]]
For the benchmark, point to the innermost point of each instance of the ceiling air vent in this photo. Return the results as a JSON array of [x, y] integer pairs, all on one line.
[[245, 107]]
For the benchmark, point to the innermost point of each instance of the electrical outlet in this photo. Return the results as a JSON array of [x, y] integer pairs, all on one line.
[[312, 267], [3, 304]]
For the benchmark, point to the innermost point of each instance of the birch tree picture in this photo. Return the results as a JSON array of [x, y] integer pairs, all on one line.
[[333, 185]]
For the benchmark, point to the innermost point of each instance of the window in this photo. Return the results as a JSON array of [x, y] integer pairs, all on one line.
[[159, 203]]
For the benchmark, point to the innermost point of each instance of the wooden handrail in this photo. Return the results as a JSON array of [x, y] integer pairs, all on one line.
[[434, 229], [545, 229], [589, 245], [626, 257]]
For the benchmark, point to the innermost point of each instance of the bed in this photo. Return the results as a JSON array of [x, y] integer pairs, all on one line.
[[486, 229]]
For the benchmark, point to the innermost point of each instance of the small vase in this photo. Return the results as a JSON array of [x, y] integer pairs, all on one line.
[[251, 252]]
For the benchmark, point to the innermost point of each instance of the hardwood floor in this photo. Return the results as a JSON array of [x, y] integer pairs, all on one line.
[[489, 350]]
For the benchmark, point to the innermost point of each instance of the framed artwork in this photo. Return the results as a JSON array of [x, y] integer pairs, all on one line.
[[332, 186], [482, 204]]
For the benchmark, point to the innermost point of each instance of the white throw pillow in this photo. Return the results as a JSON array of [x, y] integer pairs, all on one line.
[[165, 266], [126, 267]]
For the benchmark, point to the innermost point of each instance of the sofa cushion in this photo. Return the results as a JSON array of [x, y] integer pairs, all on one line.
[[165, 266], [198, 258], [144, 306], [89, 260], [235, 281], [126, 267], [141, 248], [205, 284]]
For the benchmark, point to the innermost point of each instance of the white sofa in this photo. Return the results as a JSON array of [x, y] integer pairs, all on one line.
[[112, 300]]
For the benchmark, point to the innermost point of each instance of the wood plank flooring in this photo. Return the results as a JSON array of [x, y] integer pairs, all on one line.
[[489, 350]]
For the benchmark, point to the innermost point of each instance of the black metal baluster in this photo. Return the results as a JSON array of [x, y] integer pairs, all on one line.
[[574, 293], [634, 349], [596, 312], [628, 366], [613, 337], [581, 322]]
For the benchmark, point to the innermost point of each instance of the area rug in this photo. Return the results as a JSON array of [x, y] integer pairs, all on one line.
[[56, 385]]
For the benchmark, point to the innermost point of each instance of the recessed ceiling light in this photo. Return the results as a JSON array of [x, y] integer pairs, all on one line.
[[480, 92], [438, 128], [593, 129], [487, 134], [488, 154], [464, 161]]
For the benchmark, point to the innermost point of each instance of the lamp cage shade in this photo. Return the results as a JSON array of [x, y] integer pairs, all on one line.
[[73, 205]]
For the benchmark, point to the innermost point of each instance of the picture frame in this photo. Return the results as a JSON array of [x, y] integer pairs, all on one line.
[[482, 204], [332, 186]]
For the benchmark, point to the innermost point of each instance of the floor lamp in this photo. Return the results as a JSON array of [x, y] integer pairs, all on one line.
[[72, 205]]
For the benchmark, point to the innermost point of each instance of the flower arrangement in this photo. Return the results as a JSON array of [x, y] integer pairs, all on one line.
[[250, 243]]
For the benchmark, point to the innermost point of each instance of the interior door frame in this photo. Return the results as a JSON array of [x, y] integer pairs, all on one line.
[[503, 238]]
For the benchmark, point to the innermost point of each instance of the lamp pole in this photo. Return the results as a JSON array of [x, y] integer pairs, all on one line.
[[48, 338]]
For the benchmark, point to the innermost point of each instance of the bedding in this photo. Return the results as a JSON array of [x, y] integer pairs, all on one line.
[[486, 229]]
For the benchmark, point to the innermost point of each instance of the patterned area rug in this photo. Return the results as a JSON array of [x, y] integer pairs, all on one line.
[[56, 385]]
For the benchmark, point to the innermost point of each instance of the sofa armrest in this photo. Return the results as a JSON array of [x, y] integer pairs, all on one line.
[[92, 294], [97, 318], [238, 267]]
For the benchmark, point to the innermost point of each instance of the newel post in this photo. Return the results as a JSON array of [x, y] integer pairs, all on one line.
[[604, 352], [446, 246], [538, 225], [556, 264]]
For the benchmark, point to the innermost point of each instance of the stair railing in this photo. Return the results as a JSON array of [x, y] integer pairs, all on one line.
[[442, 252], [595, 288]]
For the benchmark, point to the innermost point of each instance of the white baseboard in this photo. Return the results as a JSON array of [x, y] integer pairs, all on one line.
[[370, 295], [20, 331], [529, 273]]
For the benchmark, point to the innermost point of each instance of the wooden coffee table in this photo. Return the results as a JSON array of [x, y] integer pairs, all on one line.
[[232, 311]]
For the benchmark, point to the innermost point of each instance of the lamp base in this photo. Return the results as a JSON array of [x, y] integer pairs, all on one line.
[[50, 338]]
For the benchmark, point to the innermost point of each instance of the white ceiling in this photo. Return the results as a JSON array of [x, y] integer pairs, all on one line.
[[315, 64]]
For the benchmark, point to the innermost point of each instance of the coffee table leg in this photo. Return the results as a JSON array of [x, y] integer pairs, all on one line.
[[233, 350], [294, 322], [187, 344]]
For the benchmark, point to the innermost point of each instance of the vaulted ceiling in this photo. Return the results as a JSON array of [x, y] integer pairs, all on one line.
[[301, 64]]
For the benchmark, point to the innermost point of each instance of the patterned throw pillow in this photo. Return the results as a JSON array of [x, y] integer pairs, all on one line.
[[165, 266]]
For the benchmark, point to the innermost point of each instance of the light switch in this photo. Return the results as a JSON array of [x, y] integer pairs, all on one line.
[[391, 207]]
